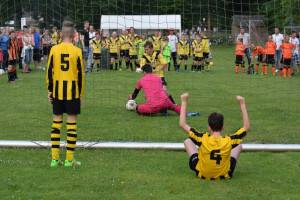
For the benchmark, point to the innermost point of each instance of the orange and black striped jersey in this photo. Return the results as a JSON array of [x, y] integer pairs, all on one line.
[[65, 77], [214, 153], [259, 50], [13, 49], [287, 49], [240, 49], [270, 48]]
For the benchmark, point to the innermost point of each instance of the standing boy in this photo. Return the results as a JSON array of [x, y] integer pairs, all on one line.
[[239, 56], [13, 57], [114, 49], [166, 52], [183, 52], [133, 53], [97, 45], [269, 58], [65, 83], [198, 59], [287, 49], [216, 155]]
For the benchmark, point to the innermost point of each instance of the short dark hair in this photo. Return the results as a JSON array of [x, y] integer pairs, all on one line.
[[215, 121], [10, 32], [294, 32], [147, 68], [149, 45]]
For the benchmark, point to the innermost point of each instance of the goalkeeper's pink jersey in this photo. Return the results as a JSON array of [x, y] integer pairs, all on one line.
[[153, 88]]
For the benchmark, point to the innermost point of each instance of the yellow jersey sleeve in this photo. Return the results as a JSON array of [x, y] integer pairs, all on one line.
[[196, 136], [161, 59], [238, 137]]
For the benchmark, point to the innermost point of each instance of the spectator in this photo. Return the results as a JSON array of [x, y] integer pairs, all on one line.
[[46, 40], [85, 44], [295, 53], [76, 38], [198, 29], [3, 40], [20, 34], [36, 49], [28, 43], [278, 39], [173, 41], [40, 48], [92, 36], [246, 42]]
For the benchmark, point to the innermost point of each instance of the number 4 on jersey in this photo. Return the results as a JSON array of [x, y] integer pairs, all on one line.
[[217, 158]]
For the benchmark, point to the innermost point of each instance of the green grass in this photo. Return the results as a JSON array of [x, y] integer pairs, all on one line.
[[272, 102], [143, 174]]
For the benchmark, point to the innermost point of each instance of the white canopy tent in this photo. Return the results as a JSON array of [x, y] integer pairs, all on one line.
[[142, 23]]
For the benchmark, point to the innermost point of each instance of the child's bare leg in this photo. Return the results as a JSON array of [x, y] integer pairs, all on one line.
[[190, 147], [235, 152]]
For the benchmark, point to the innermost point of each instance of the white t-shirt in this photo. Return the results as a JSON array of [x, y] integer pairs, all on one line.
[[173, 40], [277, 39], [92, 36], [295, 42], [246, 38]]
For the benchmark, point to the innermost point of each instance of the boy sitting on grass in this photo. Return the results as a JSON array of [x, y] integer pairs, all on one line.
[[217, 155]]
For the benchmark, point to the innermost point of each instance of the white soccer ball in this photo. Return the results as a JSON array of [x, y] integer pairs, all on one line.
[[2, 71], [131, 105], [139, 70]]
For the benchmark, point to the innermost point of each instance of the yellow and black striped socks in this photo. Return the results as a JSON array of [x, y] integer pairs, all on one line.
[[55, 138], [71, 139]]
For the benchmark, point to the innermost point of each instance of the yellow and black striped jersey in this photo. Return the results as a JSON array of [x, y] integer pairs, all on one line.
[[54, 38], [198, 49], [183, 48], [65, 75], [157, 42], [214, 153], [123, 39], [97, 45], [132, 49], [60, 41], [205, 44], [191, 48], [135, 36], [156, 60], [114, 44]]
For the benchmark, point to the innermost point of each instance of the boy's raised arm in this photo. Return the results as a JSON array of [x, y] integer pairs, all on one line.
[[246, 120], [182, 122]]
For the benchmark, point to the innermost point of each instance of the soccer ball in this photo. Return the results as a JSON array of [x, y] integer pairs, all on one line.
[[139, 70], [131, 105], [2, 71], [211, 63]]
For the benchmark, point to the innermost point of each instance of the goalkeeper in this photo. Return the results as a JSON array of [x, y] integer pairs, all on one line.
[[157, 100]]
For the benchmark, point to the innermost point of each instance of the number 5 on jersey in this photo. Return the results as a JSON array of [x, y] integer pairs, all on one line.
[[65, 62]]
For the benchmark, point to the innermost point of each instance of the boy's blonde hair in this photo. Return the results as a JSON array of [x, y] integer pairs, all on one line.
[[68, 29], [252, 46]]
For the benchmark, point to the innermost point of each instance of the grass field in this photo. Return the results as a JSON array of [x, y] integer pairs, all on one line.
[[273, 106]]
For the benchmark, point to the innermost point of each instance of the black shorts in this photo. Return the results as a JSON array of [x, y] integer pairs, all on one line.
[[239, 59], [270, 59], [97, 56], [124, 53], [114, 55], [46, 50], [133, 57], [194, 161], [281, 60], [12, 62], [183, 57], [198, 58], [66, 106], [36, 55], [287, 62], [164, 81], [260, 58], [205, 55]]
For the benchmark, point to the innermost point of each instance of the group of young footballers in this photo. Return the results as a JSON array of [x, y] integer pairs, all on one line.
[[212, 156], [266, 57], [130, 47]]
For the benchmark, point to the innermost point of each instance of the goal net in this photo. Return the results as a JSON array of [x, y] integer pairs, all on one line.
[[272, 101]]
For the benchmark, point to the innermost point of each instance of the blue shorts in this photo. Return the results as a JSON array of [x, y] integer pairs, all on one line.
[[85, 55]]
